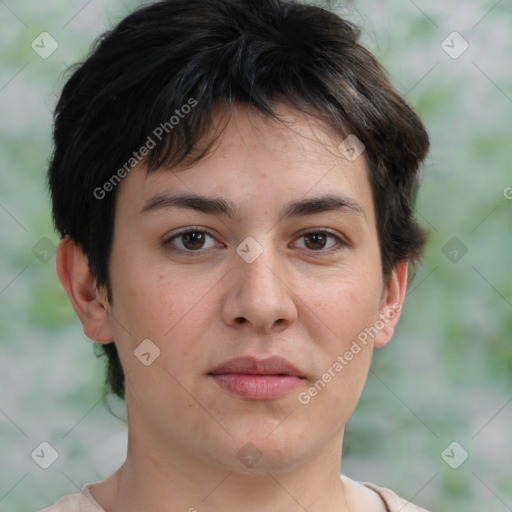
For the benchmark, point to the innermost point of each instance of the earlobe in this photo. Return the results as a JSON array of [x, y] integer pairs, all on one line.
[[90, 305], [391, 307]]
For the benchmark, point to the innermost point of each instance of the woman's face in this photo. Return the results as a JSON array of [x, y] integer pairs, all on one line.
[[265, 250]]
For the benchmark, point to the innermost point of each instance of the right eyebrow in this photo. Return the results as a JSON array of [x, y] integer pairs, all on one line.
[[203, 204]]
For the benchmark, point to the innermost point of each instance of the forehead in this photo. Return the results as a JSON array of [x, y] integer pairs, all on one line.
[[259, 162]]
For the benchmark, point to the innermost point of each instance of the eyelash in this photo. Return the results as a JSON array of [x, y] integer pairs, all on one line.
[[167, 243]]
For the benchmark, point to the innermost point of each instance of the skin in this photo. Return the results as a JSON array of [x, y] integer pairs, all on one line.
[[305, 299]]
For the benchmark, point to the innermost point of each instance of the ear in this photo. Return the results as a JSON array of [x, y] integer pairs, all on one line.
[[391, 305], [90, 305]]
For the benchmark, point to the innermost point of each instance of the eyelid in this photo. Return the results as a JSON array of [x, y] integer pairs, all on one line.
[[185, 230], [341, 239]]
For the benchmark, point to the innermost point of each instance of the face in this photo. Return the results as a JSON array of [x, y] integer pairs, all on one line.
[[275, 260]]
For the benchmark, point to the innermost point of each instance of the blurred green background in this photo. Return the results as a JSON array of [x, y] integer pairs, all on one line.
[[447, 375]]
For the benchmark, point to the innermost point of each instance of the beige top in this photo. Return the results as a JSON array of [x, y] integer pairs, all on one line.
[[84, 502]]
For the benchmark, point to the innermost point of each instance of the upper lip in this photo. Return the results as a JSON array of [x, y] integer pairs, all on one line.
[[249, 365]]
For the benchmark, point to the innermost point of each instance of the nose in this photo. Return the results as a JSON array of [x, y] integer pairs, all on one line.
[[259, 297]]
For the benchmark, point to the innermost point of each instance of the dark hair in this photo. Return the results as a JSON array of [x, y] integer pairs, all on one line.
[[210, 53]]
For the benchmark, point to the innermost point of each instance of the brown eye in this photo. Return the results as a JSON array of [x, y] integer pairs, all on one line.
[[319, 241], [194, 240], [191, 240], [315, 241]]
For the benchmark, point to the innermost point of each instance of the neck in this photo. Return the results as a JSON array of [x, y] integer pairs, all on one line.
[[154, 479]]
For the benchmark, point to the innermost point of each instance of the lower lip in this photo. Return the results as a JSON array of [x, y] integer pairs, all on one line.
[[257, 387]]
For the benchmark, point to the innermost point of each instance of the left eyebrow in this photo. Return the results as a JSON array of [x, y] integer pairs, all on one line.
[[220, 206], [327, 203]]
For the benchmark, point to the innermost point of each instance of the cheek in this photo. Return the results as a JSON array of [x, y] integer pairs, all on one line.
[[345, 305], [142, 302], [170, 310]]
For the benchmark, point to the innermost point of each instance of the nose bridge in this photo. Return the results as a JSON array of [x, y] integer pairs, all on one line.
[[260, 294], [259, 276], [262, 279]]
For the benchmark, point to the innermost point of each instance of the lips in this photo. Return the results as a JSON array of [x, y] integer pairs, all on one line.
[[257, 379], [275, 365]]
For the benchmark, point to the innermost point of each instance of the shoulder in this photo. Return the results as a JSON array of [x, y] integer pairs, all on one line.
[[79, 502], [393, 501], [68, 503]]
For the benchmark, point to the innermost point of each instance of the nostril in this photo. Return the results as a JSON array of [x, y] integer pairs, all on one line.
[[241, 320]]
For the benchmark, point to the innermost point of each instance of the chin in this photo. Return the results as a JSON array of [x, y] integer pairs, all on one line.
[[257, 450]]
